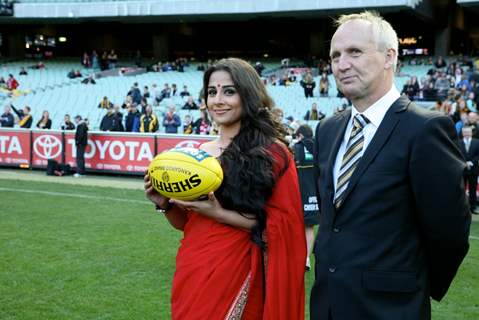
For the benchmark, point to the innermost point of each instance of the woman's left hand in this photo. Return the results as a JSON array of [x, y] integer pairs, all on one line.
[[209, 207]]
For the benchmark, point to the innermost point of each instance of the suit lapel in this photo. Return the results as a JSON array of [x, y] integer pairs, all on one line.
[[380, 137]]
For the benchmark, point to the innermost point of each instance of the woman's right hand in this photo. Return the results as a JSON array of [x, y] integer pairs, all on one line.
[[153, 195]]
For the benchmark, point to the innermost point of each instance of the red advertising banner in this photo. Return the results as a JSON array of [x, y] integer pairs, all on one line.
[[113, 151], [165, 142], [14, 147], [46, 145]]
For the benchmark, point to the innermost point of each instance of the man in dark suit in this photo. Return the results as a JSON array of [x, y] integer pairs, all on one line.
[[81, 142], [395, 220], [470, 149]]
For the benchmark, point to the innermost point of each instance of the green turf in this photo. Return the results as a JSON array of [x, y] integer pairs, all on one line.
[[71, 258]]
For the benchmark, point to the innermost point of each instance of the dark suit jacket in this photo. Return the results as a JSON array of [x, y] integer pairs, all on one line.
[[403, 228], [472, 155]]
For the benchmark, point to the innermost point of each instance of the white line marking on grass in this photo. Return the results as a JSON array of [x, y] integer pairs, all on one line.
[[473, 238], [73, 195]]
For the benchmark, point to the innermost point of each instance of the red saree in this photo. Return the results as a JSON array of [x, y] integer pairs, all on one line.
[[222, 274]]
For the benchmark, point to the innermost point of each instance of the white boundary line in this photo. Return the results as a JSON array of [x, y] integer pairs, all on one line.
[[85, 196], [74, 195]]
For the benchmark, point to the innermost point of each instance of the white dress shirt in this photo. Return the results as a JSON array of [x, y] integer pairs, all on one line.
[[375, 113]]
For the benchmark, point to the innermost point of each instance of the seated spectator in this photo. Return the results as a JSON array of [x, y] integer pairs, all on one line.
[[38, 65], [440, 63], [308, 85], [105, 103], [45, 122], [146, 92], [190, 104], [127, 103], [23, 72], [171, 121], [463, 122], [442, 85], [165, 93], [6, 119], [185, 92], [132, 119], [187, 125], [203, 124], [430, 93], [324, 85], [148, 121], [67, 123], [174, 90], [259, 68], [313, 114], [12, 83], [24, 116], [292, 76], [89, 80]]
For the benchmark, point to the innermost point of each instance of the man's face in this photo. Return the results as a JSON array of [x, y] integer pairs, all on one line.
[[358, 66], [467, 132]]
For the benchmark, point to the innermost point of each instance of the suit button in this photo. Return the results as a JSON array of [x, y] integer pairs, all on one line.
[[332, 269], [336, 230]]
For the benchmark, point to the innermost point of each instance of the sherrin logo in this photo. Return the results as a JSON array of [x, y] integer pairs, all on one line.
[[178, 186]]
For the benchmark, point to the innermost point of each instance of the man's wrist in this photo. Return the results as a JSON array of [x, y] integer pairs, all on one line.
[[165, 209]]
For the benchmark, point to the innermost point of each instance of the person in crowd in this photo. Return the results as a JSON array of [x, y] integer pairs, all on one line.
[[303, 157], [259, 67], [67, 123], [165, 93], [6, 119], [24, 117], [127, 103], [442, 86], [174, 90], [45, 122], [390, 177], [324, 85], [85, 60], [185, 92], [203, 124], [148, 121], [23, 72], [104, 61], [190, 104], [171, 121], [244, 244], [135, 93], [95, 64], [314, 114], [74, 74], [81, 142], [132, 119], [146, 92], [188, 124], [470, 149], [105, 103], [440, 63], [430, 92], [112, 59], [292, 76], [12, 83], [112, 120], [308, 85]]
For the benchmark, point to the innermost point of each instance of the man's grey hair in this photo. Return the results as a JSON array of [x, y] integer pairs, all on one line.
[[384, 34]]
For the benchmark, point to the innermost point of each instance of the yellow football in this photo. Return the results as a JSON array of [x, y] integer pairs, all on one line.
[[185, 173]]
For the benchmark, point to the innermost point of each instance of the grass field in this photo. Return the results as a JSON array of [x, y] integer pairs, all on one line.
[[106, 254]]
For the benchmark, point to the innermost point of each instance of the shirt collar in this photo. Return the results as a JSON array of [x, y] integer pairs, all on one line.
[[376, 112]]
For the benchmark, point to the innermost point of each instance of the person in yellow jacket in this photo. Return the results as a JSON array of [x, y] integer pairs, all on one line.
[[148, 121]]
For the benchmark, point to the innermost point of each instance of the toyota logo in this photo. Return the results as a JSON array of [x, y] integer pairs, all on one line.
[[188, 144], [47, 146]]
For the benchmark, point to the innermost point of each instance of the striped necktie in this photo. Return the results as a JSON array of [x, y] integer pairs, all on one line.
[[351, 158]]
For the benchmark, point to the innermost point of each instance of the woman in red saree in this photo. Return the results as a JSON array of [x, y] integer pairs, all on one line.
[[243, 251]]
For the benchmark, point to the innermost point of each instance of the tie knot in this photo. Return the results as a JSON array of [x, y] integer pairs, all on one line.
[[360, 121]]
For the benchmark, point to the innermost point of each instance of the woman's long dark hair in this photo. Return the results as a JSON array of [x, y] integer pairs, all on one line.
[[249, 176]]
